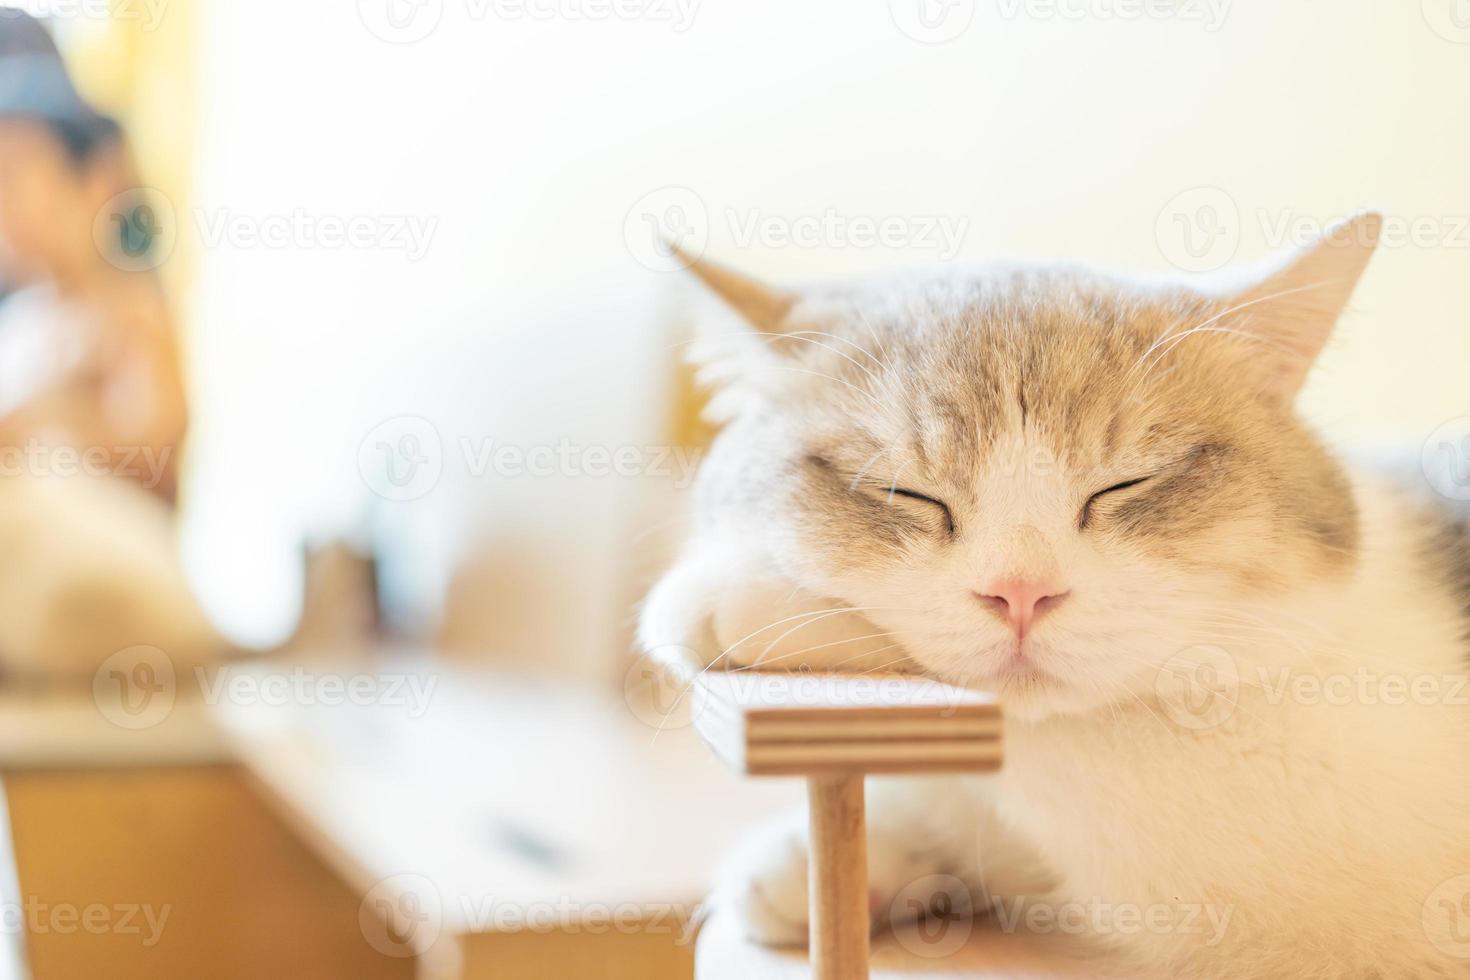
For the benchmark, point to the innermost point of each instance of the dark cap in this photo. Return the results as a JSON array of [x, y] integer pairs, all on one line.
[[34, 84]]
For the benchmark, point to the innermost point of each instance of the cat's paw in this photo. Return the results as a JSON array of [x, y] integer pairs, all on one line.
[[764, 885], [764, 882]]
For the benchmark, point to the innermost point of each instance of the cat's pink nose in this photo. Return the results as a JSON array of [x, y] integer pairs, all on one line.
[[1022, 601]]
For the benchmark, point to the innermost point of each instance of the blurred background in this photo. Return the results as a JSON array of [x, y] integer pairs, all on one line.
[[344, 334]]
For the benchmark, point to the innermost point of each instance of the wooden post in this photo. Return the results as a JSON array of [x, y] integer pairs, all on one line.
[[839, 912], [833, 729]]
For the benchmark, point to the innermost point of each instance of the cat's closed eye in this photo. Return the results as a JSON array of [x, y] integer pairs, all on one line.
[[926, 499], [1086, 515]]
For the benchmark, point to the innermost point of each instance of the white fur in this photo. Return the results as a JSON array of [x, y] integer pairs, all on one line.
[[1340, 818], [1238, 747]]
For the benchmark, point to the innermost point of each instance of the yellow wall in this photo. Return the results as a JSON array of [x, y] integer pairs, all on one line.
[[141, 69]]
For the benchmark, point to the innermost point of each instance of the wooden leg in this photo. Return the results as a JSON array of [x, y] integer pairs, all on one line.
[[839, 877]]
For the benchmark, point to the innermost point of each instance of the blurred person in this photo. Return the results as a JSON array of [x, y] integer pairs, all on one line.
[[87, 351], [91, 400]]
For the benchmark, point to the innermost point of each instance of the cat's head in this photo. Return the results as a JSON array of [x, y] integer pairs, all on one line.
[[1044, 481]]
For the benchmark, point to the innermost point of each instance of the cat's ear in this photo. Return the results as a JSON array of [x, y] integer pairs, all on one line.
[[1296, 302], [742, 345], [761, 306]]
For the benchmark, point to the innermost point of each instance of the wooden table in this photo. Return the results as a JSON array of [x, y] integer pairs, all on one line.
[[158, 836], [514, 829]]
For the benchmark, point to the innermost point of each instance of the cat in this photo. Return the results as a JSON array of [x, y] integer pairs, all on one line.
[[1091, 495]]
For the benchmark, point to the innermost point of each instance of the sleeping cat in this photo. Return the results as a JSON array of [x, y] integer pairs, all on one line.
[[1233, 671]]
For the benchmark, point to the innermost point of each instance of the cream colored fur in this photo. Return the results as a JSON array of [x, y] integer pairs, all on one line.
[[1300, 835]]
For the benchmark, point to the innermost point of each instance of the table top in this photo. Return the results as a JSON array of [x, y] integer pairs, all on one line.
[[492, 798], [70, 730]]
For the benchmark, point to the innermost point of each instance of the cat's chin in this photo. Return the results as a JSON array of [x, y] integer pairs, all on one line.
[[1038, 704], [1030, 694]]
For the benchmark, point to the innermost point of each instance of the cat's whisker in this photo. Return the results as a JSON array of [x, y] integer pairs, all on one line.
[[765, 661], [842, 340], [799, 626], [846, 384], [816, 615], [893, 486], [871, 460], [872, 332], [807, 340], [1179, 338], [1162, 723], [1255, 301], [869, 653], [1237, 614], [882, 667], [801, 615], [846, 660], [1189, 665]]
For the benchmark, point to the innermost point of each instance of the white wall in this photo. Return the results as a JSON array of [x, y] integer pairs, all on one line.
[[527, 141]]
